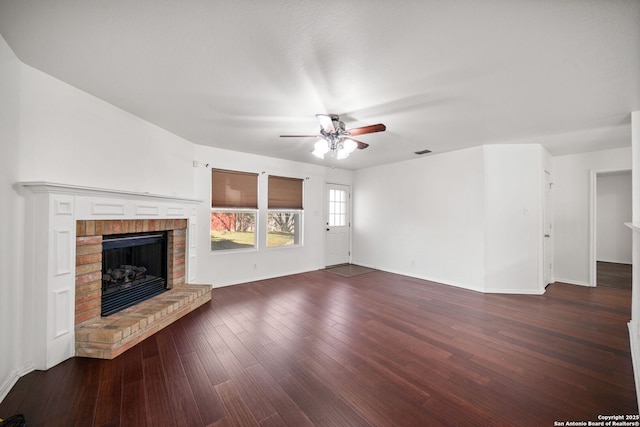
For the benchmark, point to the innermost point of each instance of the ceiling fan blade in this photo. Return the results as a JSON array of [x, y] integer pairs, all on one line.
[[300, 136], [361, 145], [326, 122], [367, 129]]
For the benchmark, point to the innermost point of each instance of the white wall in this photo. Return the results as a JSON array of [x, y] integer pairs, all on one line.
[[470, 218], [634, 324], [225, 268], [68, 136], [423, 218], [613, 210], [11, 215], [53, 132], [571, 201], [50, 131], [513, 218]]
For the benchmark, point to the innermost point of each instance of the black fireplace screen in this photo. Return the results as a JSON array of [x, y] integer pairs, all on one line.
[[134, 268]]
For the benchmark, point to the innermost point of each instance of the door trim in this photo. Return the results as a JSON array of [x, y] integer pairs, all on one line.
[[325, 222], [593, 205]]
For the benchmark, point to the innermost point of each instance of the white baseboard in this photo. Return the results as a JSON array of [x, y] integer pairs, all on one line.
[[571, 282], [13, 378], [514, 291], [460, 285], [423, 277], [634, 343]]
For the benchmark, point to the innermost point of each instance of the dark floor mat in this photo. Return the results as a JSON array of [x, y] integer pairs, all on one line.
[[348, 270]]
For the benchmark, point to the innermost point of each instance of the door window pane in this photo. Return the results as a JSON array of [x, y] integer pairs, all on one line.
[[337, 208]]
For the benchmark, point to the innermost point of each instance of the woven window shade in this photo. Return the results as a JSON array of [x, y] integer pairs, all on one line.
[[285, 193], [231, 189]]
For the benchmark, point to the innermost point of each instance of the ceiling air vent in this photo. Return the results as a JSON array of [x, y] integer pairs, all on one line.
[[421, 152]]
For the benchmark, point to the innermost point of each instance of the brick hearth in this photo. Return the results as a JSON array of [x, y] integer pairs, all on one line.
[[107, 337]]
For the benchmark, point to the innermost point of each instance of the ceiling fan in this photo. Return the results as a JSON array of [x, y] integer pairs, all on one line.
[[335, 138]]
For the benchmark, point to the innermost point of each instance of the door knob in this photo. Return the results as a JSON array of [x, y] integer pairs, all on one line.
[[547, 235]]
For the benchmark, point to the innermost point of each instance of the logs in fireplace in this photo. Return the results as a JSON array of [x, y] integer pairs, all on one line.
[[134, 268]]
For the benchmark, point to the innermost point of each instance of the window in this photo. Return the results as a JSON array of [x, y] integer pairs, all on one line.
[[337, 208], [284, 218], [234, 207]]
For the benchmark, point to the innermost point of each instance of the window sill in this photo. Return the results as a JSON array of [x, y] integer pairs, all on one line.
[[232, 251], [284, 247]]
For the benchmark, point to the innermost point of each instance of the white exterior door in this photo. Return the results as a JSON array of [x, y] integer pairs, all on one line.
[[338, 224]]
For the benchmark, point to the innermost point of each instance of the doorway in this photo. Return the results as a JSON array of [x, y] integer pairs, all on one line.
[[610, 243], [338, 224], [547, 246]]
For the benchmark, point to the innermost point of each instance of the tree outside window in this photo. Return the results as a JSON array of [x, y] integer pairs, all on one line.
[[234, 207], [284, 218]]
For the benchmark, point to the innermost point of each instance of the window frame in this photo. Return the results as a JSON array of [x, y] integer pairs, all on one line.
[[256, 229], [285, 200], [244, 206], [298, 233]]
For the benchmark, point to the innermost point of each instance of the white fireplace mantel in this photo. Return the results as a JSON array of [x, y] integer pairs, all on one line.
[[52, 210], [78, 190]]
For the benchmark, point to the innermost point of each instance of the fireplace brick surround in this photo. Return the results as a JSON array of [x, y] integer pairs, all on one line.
[[64, 225], [107, 337]]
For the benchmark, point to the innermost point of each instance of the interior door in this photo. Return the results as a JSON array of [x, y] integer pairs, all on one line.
[[548, 253], [338, 224]]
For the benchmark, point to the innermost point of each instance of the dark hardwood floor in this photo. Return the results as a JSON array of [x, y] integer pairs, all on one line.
[[373, 349], [613, 274]]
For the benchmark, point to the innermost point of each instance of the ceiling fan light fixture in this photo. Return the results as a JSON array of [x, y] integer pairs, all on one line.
[[349, 146], [342, 154], [336, 139], [320, 148]]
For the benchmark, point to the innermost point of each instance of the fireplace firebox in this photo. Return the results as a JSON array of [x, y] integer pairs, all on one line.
[[134, 268]]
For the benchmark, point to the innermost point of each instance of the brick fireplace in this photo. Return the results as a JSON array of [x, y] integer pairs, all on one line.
[[64, 231], [107, 337], [89, 234]]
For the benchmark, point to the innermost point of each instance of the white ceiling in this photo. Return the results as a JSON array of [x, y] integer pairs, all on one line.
[[441, 75]]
